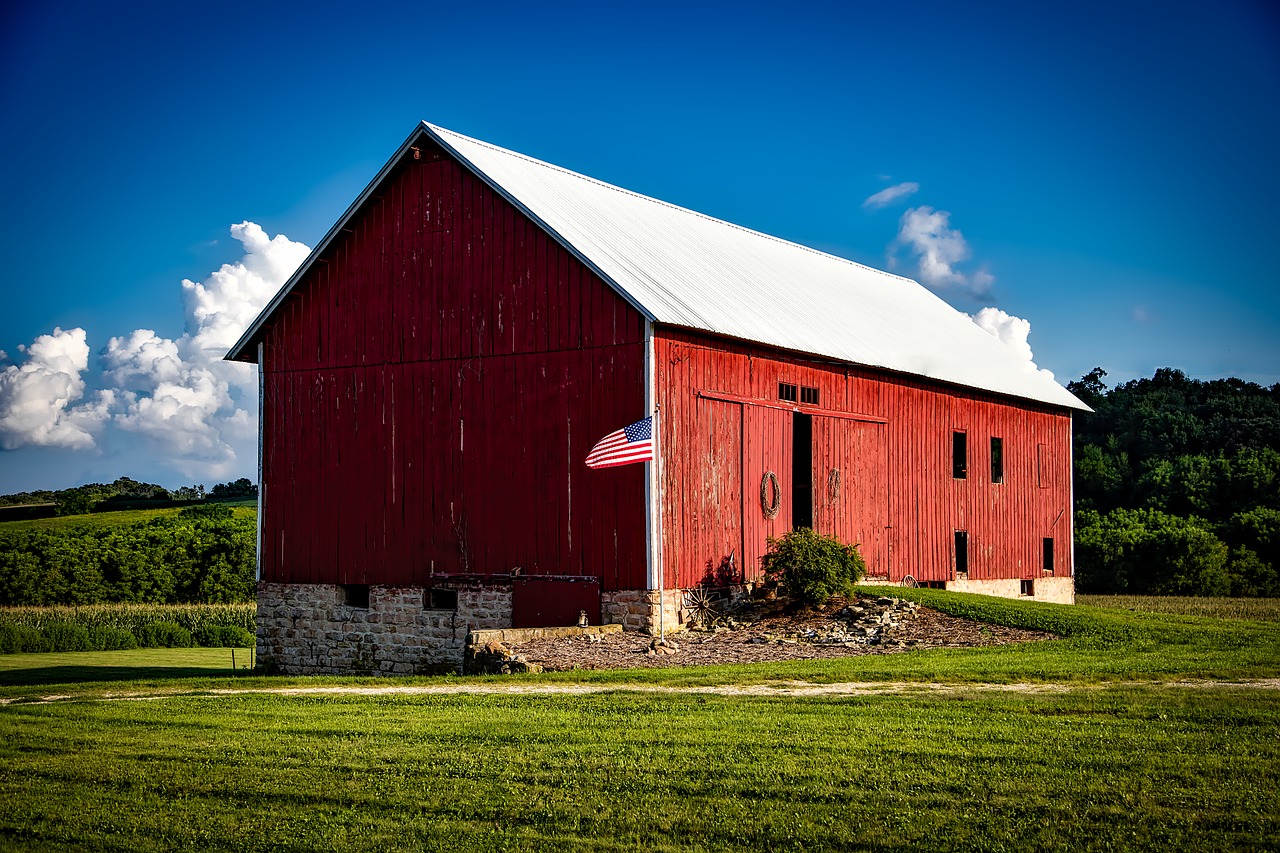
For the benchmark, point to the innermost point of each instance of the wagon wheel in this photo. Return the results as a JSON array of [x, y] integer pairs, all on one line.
[[908, 580], [700, 606]]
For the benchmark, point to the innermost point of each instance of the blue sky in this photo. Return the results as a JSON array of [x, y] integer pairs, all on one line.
[[1111, 171]]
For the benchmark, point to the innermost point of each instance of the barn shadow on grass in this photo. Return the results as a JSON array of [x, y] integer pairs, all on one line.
[[91, 674]]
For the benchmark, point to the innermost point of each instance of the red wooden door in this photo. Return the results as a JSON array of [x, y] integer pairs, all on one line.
[[851, 486], [717, 525], [766, 501]]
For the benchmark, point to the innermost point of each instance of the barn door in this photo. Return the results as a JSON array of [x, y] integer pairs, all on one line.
[[717, 519], [851, 492], [767, 473]]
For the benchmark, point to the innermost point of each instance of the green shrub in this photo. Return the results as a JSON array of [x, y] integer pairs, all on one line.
[[223, 637], [66, 637], [104, 638], [812, 567], [21, 638], [167, 635]]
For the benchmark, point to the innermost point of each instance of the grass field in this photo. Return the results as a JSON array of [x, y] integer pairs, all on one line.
[[111, 519], [1109, 769], [1261, 609], [1088, 761]]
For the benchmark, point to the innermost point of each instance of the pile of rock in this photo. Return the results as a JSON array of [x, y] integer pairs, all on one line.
[[868, 622], [495, 658]]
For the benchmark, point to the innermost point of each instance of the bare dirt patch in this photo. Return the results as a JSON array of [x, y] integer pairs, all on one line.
[[778, 631]]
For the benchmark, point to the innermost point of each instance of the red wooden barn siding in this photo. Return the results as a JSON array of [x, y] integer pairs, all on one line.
[[896, 495], [432, 390]]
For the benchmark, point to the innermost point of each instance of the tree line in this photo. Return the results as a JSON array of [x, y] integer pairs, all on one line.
[[1177, 486], [104, 497]]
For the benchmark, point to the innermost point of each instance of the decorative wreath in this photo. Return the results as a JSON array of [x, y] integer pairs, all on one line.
[[770, 495]]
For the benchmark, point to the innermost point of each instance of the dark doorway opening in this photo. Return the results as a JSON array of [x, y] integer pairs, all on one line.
[[962, 553], [802, 471]]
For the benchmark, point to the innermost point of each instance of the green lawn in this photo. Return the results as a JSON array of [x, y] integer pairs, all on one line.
[[1093, 769], [1097, 763], [89, 669]]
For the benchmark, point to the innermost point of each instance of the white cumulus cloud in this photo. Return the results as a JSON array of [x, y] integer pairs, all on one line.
[[36, 396], [937, 249], [1013, 332], [889, 195], [179, 394]]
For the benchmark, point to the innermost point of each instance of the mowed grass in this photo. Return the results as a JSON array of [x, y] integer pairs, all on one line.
[[86, 669], [1162, 768], [1088, 760], [1260, 609]]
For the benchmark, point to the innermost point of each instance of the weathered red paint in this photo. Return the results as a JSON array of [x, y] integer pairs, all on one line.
[[436, 380], [432, 391], [723, 428]]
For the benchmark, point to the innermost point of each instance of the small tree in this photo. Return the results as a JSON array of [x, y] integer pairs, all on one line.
[[813, 567]]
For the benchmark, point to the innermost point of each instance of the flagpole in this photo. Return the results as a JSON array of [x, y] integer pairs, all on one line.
[[657, 539]]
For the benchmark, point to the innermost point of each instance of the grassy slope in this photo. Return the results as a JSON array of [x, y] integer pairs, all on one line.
[[1091, 768], [112, 519]]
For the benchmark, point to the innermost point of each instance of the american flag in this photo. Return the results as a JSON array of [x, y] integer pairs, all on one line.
[[632, 443]]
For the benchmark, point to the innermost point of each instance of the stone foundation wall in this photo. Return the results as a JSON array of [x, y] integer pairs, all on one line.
[[311, 629], [1053, 589], [637, 609]]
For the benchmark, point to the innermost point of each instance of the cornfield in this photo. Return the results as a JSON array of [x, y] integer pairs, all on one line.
[[133, 617], [1256, 609]]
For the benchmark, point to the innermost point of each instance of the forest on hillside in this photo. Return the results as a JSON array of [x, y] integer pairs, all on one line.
[[1177, 486]]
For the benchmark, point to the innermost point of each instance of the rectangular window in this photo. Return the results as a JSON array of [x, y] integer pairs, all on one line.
[[356, 595], [809, 395], [997, 460], [962, 552], [1027, 587], [959, 455], [1047, 566], [1042, 466], [786, 391], [441, 599]]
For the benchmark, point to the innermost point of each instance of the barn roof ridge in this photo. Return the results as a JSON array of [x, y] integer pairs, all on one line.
[[672, 205], [683, 268]]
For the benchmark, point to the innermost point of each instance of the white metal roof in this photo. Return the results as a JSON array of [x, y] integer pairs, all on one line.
[[683, 268]]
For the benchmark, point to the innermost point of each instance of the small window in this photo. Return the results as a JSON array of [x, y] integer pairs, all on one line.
[[1027, 587], [356, 595], [809, 395], [786, 391], [997, 460], [441, 599], [962, 552], [1047, 567], [959, 455]]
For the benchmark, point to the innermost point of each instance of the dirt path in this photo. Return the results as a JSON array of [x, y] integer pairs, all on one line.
[[797, 689]]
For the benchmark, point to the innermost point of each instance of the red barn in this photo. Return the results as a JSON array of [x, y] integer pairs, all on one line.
[[436, 372]]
